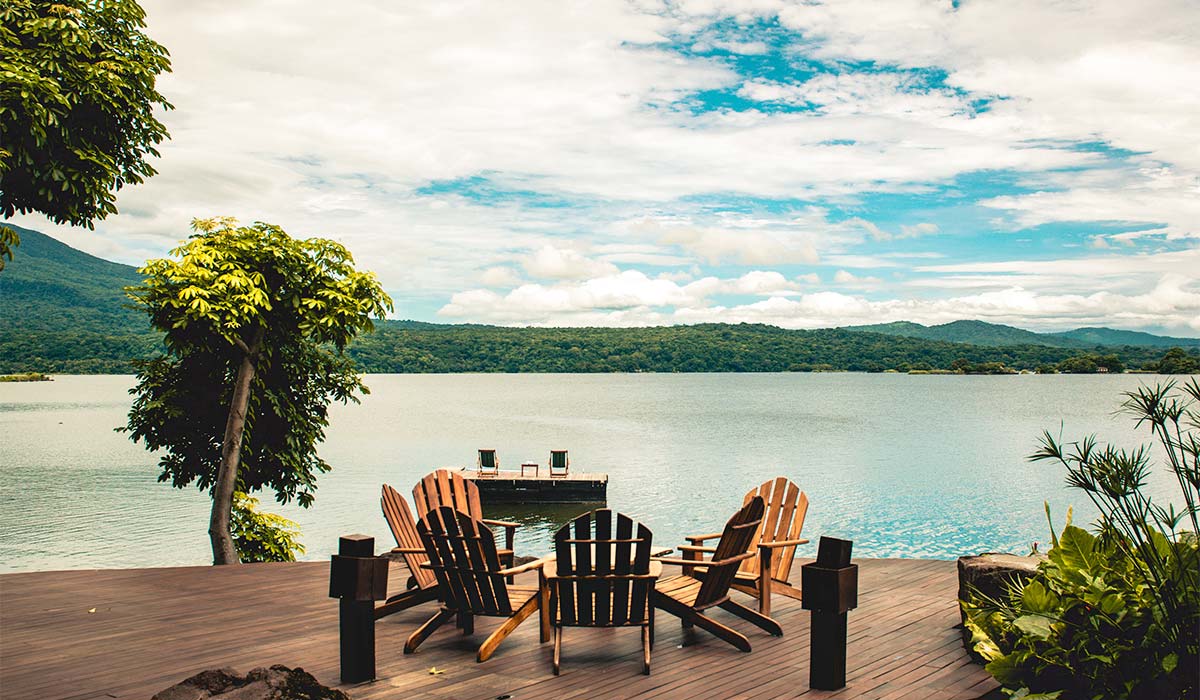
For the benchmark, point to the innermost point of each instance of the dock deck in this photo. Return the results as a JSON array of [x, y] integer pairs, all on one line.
[[510, 486], [154, 627]]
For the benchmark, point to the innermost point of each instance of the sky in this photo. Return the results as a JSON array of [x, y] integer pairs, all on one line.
[[815, 164]]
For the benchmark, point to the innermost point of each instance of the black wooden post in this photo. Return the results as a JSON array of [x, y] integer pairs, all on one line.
[[830, 588], [358, 578]]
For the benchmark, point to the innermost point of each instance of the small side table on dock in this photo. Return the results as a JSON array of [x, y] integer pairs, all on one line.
[[530, 465]]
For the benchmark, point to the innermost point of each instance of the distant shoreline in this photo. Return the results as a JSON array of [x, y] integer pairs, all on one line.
[[26, 377]]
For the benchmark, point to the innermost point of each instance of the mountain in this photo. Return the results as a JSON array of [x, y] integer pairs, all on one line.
[[50, 286], [998, 335], [1109, 336], [64, 310]]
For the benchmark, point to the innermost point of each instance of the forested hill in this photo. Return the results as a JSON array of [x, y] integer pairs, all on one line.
[[703, 348], [62, 310], [983, 333], [50, 286]]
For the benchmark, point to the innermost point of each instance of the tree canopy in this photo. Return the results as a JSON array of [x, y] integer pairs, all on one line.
[[77, 106], [255, 324]]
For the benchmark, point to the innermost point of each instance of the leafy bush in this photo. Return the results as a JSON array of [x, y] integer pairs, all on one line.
[[1114, 614], [262, 536]]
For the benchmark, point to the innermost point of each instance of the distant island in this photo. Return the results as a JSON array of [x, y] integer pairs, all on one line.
[[26, 377], [64, 311]]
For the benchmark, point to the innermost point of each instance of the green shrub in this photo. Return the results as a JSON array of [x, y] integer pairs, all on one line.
[[262, 536], [1115, 614]]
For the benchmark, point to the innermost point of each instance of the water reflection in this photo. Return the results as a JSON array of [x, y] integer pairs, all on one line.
[[538, 522]]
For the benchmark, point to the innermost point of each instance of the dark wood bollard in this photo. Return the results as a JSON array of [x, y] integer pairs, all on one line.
[[830, 588], [358, 578]]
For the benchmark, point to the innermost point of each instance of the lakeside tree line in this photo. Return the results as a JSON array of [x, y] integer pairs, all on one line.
[[405, 347]]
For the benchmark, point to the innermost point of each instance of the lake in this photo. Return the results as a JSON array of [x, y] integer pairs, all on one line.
[[905, 466]]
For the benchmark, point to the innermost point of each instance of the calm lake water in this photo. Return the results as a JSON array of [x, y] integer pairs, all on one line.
[[906, 466]]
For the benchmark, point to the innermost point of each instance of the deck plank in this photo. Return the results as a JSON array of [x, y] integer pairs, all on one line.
[[154, 627]]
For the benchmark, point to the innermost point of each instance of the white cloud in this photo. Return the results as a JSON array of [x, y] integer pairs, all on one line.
[[371, 126], [565, 263], [500, 277], [850, 280], [764, 282]]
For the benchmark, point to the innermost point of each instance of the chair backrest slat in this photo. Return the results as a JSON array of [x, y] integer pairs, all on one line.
[[737, 538], [602, 576], [783, 519], [462, 551], [488, 462], [559, 462], [446, 488], [404, 528]]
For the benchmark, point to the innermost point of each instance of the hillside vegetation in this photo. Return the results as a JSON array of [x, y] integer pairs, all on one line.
[[64, 311], [994, 334]]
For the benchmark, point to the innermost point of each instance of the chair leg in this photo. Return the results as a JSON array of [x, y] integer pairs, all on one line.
[[766, 567], [646, 644], [557, 648], [467, 622], [650, 619], [489, 645], [732, 636], [543, 608], [405, 600], [753, 616], [422, 633]]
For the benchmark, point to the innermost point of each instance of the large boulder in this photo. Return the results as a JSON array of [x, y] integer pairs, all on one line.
[[275, 683], [992, 574]]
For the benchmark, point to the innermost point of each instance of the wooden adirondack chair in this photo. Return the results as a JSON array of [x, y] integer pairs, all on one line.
[[464, 560], [688, 597], [422, 584], [601, 578], [783, 520], [488, 463], [560, 463], [446, 488]]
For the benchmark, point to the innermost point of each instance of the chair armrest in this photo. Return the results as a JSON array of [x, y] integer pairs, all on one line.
[[683, 562], [656, 568], [783, 543], [406, 550], [696, 539], [530, 566], [693, 548], [730, 560], [500, 523]]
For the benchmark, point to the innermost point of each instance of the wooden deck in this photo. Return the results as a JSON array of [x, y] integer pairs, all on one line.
[[514, 487], [154, 627]]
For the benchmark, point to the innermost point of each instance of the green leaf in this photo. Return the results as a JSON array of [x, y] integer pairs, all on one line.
[[1037, 626], [1036, 598], [1075, 550]]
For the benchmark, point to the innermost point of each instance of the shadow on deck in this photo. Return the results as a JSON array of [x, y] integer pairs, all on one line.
[[154, 627]]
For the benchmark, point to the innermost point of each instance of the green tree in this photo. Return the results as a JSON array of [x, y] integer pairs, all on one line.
[[256, 324], [1176, 361], [262, 536], [1078, 365], [77, 101], [8, 241]]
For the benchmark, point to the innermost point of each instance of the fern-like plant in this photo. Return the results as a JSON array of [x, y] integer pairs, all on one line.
[[1114, 614]]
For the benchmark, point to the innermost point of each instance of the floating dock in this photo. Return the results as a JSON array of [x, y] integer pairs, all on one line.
[[515, 487]]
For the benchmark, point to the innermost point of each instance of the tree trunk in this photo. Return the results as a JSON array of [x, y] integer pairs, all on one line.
[[219, 533]]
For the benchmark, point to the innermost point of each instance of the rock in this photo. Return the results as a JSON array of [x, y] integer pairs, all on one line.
[[275, 683], [991, 574]]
